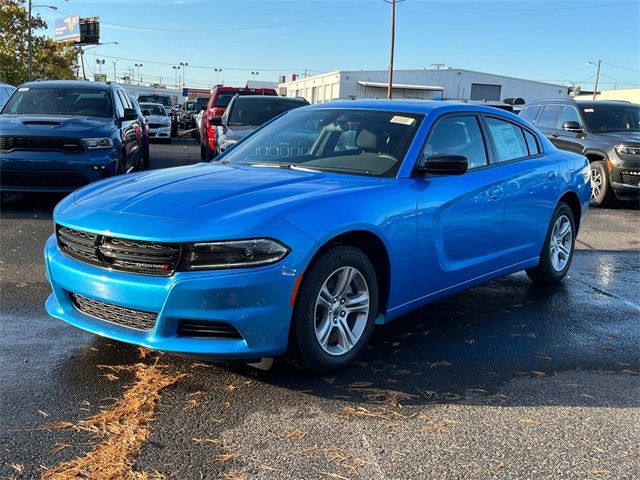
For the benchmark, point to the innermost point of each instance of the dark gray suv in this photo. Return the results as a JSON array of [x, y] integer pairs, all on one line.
[[606, 132]]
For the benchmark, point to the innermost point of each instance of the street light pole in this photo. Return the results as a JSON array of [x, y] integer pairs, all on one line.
[[184, 72], [255, 74], [217, 70], [175, 73], [29, 39], [595, 90]]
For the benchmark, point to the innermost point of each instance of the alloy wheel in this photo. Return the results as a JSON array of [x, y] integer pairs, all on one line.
[[561, 243], [341, 311], [596, 182]]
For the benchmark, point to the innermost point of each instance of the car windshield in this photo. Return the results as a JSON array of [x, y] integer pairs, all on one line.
[[350, 141], [166, 101], [154, 109], [59, 101], [612, 118], [256, 111], [193, 106]]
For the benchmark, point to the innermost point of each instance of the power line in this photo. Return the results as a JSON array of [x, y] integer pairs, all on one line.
[[233, 29], [623, 68], [533, 9]]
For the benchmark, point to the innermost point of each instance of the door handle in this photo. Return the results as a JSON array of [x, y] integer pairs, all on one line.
[[495, 193], [552, 176]]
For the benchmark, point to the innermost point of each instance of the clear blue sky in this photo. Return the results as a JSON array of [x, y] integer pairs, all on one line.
[[545, 40]]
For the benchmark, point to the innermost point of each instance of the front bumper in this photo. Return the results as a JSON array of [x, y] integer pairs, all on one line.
[[625, 179], [255, 301], [33, 171]]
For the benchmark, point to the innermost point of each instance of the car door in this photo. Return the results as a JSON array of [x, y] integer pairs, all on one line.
[[569, 140], [548, 120], [459, 218], [531, 181]]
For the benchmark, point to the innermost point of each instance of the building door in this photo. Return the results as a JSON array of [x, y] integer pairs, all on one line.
[[484, 91]]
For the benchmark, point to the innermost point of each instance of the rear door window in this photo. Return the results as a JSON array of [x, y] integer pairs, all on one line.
[[508, 140]]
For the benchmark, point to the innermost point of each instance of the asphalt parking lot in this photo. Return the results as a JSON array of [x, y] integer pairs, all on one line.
[[506, 380]]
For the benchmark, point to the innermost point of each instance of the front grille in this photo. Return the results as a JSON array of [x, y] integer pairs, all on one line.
[[43, 178], [150, 258], [202, 328], [66, 145], [157, 125], [127, 317], [630, 177]]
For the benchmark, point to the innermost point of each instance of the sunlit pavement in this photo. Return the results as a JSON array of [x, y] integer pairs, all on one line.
[[506, 380]]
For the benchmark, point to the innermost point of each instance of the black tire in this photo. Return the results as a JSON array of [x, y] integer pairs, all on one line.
[[545, 272], [305, 348], [121, 166], [144, 164], [601, 194], [210, 154], [203, 152]]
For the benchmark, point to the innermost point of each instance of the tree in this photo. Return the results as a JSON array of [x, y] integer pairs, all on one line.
[[50, 59]]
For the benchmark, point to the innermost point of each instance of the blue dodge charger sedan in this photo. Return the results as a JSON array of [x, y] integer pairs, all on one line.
[[320, 224]]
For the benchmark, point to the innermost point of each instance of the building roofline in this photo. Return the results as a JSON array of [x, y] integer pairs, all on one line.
[[346, 72]]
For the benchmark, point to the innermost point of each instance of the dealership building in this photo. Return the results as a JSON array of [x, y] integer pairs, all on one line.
[[439, 84]]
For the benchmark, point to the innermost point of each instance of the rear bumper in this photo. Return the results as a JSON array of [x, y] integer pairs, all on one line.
[[254, 301], [25, 171]]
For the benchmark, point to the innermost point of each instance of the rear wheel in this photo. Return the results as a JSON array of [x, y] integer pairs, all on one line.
[[600, 189], [203, 152], [557, 252], [335, 310]]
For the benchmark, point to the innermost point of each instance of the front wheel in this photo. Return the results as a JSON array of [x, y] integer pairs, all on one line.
[[557, 252], [335, 310], [600, 188]]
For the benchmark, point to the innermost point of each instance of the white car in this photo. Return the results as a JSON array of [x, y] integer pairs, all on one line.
[[158, 120], [198, 122]]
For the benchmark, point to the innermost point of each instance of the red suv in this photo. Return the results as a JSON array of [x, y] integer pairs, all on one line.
[[220, 98]]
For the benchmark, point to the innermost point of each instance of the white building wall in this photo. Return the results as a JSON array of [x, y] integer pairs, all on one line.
[[457, 84]]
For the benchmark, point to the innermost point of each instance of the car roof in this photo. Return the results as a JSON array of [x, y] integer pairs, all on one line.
[[269, 98], [571, 101], [414, 106], [152, 103], [95, 86]]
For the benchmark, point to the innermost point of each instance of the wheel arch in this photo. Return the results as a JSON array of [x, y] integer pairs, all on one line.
[[595, 155], [573, 201], [374, 248]]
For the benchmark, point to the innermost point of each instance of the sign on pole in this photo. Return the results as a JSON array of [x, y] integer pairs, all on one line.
[[67, 29]]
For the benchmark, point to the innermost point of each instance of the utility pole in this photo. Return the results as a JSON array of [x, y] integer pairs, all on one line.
[[393, 41], [115, 75]]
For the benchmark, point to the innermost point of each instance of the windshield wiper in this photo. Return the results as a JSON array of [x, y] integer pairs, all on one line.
[[290, 166]]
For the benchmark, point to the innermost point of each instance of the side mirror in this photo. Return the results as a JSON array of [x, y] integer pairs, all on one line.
[[146, 113], [130, 114], [571, 127], [444, 165], [215, 121], [203, 107]]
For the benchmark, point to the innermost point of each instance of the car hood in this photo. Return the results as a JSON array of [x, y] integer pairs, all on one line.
[[216, 193], [53, 125], [619, 137]]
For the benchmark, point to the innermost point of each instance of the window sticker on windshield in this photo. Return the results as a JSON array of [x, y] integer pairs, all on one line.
[[588, 110], [23, 89], [402, 120]]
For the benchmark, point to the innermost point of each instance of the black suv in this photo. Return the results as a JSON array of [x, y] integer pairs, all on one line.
[[606, 132]]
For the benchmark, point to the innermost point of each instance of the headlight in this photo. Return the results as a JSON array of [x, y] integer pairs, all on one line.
[[234, 254], [627, 150], [167, 122], [91, 143]]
